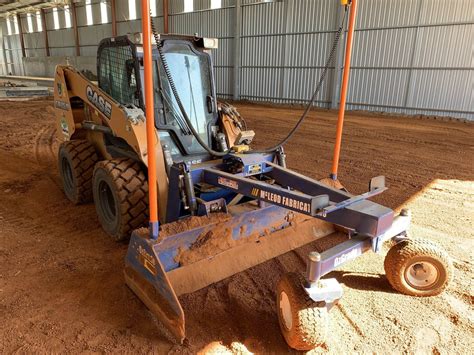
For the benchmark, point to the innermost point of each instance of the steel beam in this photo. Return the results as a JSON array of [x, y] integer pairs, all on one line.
[[3, 54], [286, 49], [114, 18], [76, 32], [22, 40], [165, 16], [45, 32], [237, 48], [409, 87]]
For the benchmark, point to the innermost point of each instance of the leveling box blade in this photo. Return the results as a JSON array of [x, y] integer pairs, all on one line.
[[154, 272]]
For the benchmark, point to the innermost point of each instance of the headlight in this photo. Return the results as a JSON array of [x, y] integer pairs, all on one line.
[[210, 43]]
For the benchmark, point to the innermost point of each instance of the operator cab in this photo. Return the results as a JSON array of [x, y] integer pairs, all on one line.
[[188, 61]]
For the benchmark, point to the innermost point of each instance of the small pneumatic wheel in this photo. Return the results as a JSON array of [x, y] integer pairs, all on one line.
[[418, 267], [303, 322]]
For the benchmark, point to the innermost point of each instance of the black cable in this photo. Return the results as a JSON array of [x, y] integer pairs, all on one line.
[[293, 130], [178, 99], [315, 94]]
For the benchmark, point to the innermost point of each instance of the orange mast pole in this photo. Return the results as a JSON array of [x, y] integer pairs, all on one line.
[[345, 83], [150, 122]]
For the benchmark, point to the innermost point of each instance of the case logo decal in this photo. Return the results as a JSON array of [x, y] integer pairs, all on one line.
[[99, 102]]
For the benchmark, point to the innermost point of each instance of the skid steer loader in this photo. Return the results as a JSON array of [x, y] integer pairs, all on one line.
[[223, 207]]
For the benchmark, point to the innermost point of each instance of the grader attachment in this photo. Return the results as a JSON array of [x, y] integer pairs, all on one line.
[[279, 218], [153, 270]]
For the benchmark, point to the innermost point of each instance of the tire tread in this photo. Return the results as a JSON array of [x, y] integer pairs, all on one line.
[[132, 190], [400, 253], [310, 322], [83, 158]]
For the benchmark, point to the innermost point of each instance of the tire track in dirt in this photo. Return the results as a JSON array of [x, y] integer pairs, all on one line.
[[45, 155]]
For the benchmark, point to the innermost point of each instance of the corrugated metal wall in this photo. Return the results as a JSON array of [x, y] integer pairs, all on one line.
[[410, 56], [218, 23], [11, 51], [414, 57], [285, 45]]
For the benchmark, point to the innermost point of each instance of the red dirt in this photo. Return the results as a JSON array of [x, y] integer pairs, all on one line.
[[62, 287], [190, 223], [207, 245]]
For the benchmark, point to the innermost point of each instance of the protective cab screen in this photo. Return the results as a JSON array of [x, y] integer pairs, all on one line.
[[190, 72]]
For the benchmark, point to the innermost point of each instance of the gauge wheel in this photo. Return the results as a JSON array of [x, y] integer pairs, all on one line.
[[303, 322], [76, 160], [120, 190], [418, 267]]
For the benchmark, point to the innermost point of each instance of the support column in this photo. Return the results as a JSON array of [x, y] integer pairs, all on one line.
[[165, 16], [114, 18], [288, 10], [22, 40], [237, 49], [45, 32], [2, 52], [409, 92], [76, 32]]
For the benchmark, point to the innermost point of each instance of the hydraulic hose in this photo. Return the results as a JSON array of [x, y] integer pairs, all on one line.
[[315, 94], [178, 99], [293, 130]]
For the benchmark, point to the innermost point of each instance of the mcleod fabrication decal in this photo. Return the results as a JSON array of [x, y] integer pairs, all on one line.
[[282, 200], [99, 102]]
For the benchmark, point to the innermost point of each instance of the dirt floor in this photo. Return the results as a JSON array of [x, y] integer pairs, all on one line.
[[61, 279]]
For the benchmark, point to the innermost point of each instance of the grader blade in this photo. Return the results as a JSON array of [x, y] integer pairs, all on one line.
[[159, 271], [146, 277], [190, 278]]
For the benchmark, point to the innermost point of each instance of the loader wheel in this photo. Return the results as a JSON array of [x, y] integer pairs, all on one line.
[[121, 196], [76, 160], [303, 322], [418, 267]]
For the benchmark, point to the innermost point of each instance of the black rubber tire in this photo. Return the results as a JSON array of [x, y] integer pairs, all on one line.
[[310, 320], [76, 161], [410, 252], [120, 190]]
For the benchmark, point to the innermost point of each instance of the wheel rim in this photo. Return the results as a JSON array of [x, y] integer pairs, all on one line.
[[285, 311], [422, 274], [68, 179], [107, 202]]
